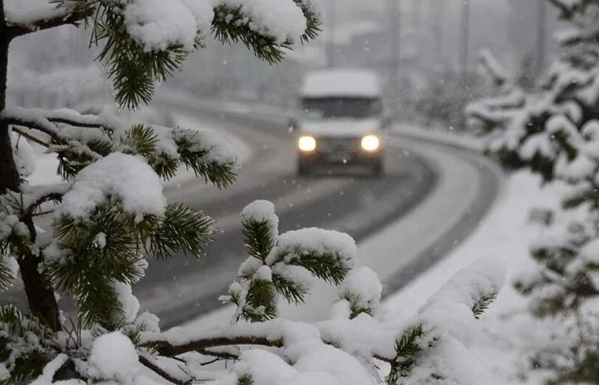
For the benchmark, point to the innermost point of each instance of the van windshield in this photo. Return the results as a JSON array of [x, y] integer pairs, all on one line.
[[341, 107]]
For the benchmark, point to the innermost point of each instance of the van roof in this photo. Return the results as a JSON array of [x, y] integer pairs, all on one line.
[[341, 82]]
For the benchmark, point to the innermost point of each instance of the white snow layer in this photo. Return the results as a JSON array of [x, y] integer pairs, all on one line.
[[483, 279], [118, 175], [129, 303], [262, 211], [157, 26], [113, 357], [318, 242], [363, 287], [27, 12]]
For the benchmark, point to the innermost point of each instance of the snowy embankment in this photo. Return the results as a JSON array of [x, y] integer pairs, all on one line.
[[509, 334], [47, 164]]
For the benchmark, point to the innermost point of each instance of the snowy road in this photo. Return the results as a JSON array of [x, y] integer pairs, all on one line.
[[442, 192]]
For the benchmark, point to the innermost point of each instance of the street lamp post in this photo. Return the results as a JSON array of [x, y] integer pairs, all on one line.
[[395, 49], [330, 43], [541, 27], [465, 37], [438, 10]]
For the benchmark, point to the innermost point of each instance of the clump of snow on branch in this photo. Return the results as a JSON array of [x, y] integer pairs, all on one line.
[[362, 290], [283, 21], [156, 26], [118, 175], [114, 358], [129, 303], [215, 148], [293, 244], [261, 211]]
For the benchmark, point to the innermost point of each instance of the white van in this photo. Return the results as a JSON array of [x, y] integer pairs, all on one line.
[[340, 120]]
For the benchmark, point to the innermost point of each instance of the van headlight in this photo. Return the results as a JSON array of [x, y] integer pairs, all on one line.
[[306, 143], [370, 143]]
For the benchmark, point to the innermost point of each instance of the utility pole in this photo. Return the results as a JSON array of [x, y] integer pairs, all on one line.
[[395, 49], [330, 43], [438, 10], [465, 38], [541, 30]]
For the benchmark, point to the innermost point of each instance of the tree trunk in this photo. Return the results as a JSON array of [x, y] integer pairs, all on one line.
[[40, 295]]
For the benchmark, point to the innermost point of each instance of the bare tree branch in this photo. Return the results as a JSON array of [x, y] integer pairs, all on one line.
[[167, 349], [78, 123], [55, 196], [31, 137], [42, 125], [203, 346], [218, 355], [385, 359], [59, 117]]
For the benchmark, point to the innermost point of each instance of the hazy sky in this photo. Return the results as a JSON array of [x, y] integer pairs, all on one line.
[[489, 20]]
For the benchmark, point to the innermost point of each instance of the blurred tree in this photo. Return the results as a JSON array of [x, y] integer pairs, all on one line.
[[554, 131], [528, 72], [446, 96]]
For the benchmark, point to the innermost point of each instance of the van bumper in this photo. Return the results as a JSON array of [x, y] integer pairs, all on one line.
[[340, 158]]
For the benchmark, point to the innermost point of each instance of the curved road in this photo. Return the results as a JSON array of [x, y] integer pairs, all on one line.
[[180, 289]]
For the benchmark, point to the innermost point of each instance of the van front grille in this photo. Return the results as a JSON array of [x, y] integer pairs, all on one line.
[[338, 144]]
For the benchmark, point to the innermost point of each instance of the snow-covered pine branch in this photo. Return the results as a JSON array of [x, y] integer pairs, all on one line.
[[79, 140], [410, 348], [284, 264]]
